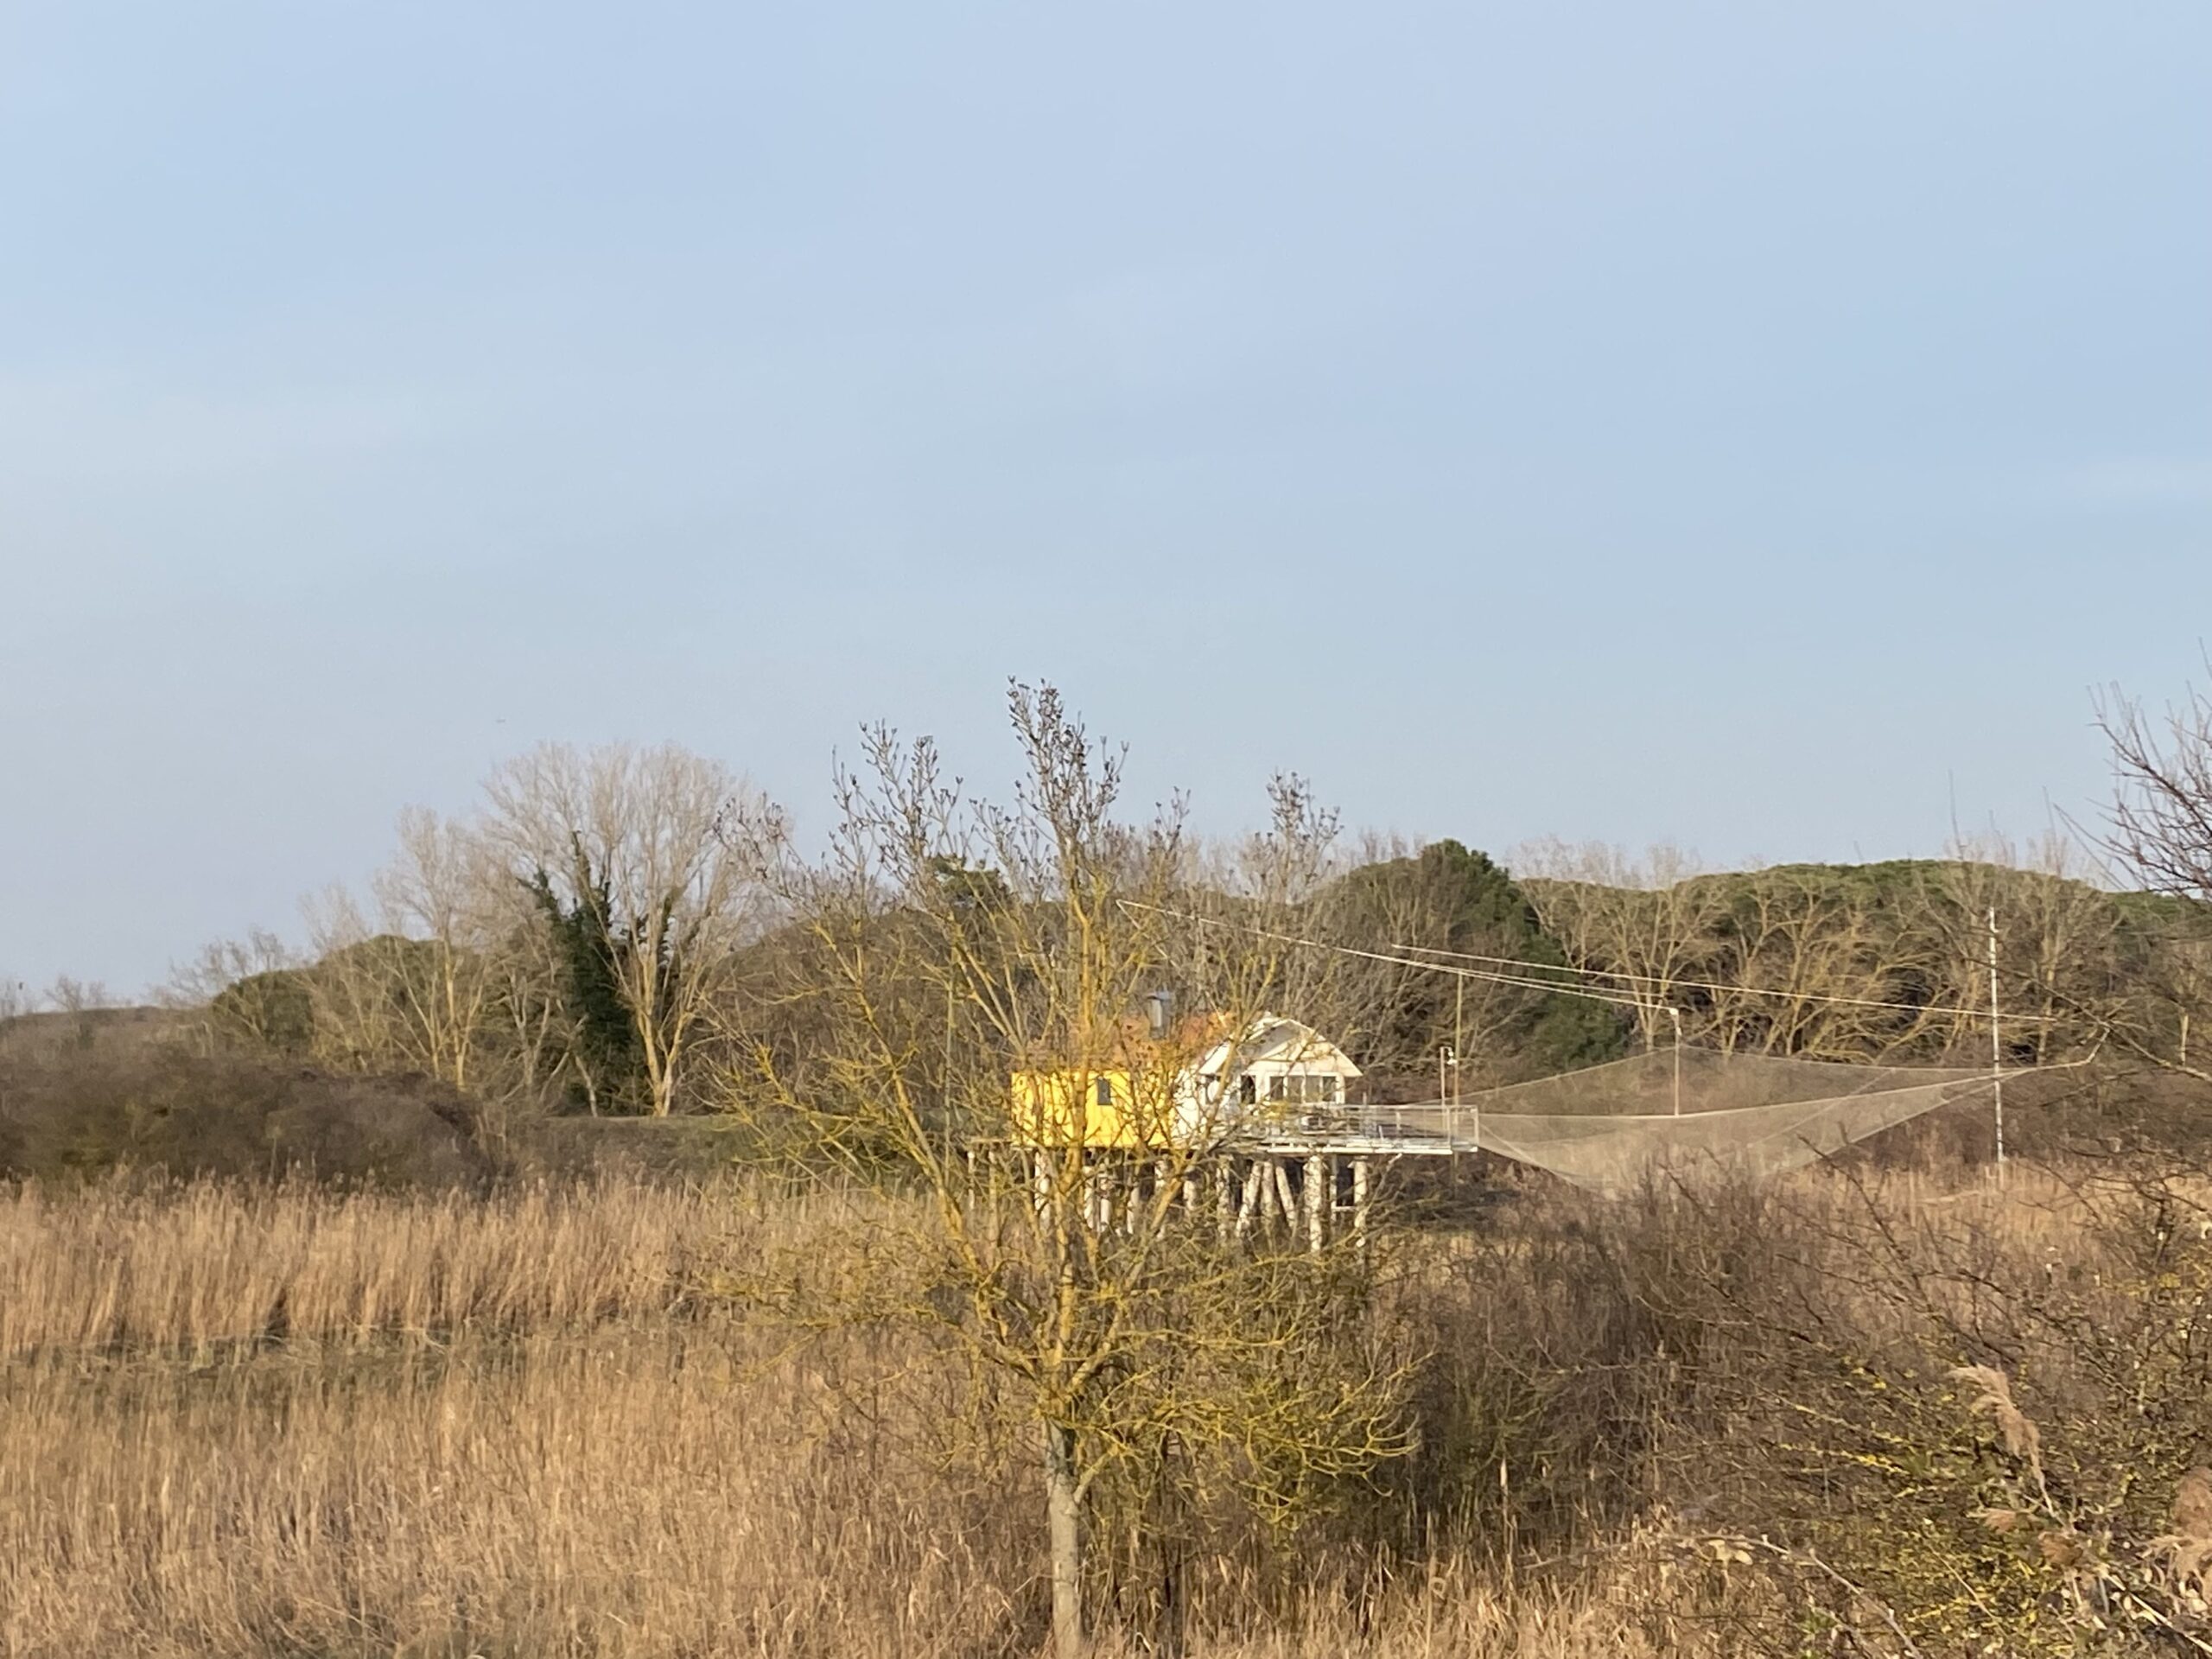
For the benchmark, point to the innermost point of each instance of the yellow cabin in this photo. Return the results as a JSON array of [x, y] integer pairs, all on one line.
[[1105, 1108], [1184, 1090]]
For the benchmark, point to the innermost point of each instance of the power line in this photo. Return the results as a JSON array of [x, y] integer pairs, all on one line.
[[1666, 982], [1524, 980], [1384, 957]]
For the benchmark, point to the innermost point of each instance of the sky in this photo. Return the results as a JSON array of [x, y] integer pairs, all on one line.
[[1762, 428]]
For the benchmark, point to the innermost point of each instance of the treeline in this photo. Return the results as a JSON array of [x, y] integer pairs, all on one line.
[[616, 930], [635, 957], [1888, 961], [582, 937]]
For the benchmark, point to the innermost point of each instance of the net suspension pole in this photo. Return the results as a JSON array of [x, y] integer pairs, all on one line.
[[1996, 1050], [1675, 1015], [1475, 1138], [1458, 1020]]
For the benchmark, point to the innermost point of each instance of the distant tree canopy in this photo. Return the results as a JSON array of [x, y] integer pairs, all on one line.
[[585, 933], [1882, 960], [371, 1006], [356, 1008], [1448, 899], [272, 1010]]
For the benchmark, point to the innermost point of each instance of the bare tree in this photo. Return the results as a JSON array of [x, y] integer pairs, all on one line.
[[1646, 922], [2063, 977], [355, 988], [633, 841], [1070, 1252], [1806, 962], [539, 1028], [2159, 831], [256, 1014], [67, 994], [411, 985], [77, 1001], [443, 888], [2160, 824], [222, 964]]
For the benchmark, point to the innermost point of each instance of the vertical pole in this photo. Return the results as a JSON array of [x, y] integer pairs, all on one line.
[[1253, 1204], [1445, 1056], [1996, 1050], [1285, 1200], [1459, 1022], [1317, 1200], [1675, 1014], [1359, 1203], [1225, 1199]]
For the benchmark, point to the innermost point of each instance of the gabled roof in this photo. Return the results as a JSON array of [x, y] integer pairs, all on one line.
[[1272, 1038]]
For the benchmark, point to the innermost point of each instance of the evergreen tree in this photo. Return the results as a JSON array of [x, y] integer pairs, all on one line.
[[1451, 899], [589, 946]]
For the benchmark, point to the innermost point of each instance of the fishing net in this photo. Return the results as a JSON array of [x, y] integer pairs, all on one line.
[[1613, 1127]]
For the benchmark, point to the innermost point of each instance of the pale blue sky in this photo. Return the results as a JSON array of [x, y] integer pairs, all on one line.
[[1758, 425]]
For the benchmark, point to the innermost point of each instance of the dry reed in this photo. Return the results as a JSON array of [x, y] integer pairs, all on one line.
[[204, 1265], [638, 1493], [288, 1421]]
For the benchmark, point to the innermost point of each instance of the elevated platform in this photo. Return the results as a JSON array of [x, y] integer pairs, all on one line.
[[1424, 1129]]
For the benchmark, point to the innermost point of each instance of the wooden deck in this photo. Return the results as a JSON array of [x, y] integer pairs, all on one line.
[[1418, 1129]]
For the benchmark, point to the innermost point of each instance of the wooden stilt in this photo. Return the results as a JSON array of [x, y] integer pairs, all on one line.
[[1248, 1212], [1359, 1200], [1286, 1199], [1317, 1201]]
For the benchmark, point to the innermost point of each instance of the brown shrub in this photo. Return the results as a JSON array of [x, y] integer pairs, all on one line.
[[161, 1110]]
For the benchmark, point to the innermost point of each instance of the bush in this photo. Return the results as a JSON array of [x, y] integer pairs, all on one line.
[[166, 1112], [1970, 1423]]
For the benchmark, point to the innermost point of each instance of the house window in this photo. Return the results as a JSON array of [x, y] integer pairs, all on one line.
[[1248, 1088], [1302, 1090], [1105, 1091]]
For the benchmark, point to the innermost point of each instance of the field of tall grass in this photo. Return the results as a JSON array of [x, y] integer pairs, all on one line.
[[280, 1420]]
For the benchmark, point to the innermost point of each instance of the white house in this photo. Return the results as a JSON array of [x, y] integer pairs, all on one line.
[[1278, 1068]]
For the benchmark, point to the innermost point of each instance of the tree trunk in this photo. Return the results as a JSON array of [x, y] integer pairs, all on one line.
[[1064, 1518]]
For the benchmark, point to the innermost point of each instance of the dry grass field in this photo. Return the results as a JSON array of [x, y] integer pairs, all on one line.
[[277, 1420], [282, 1421]]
